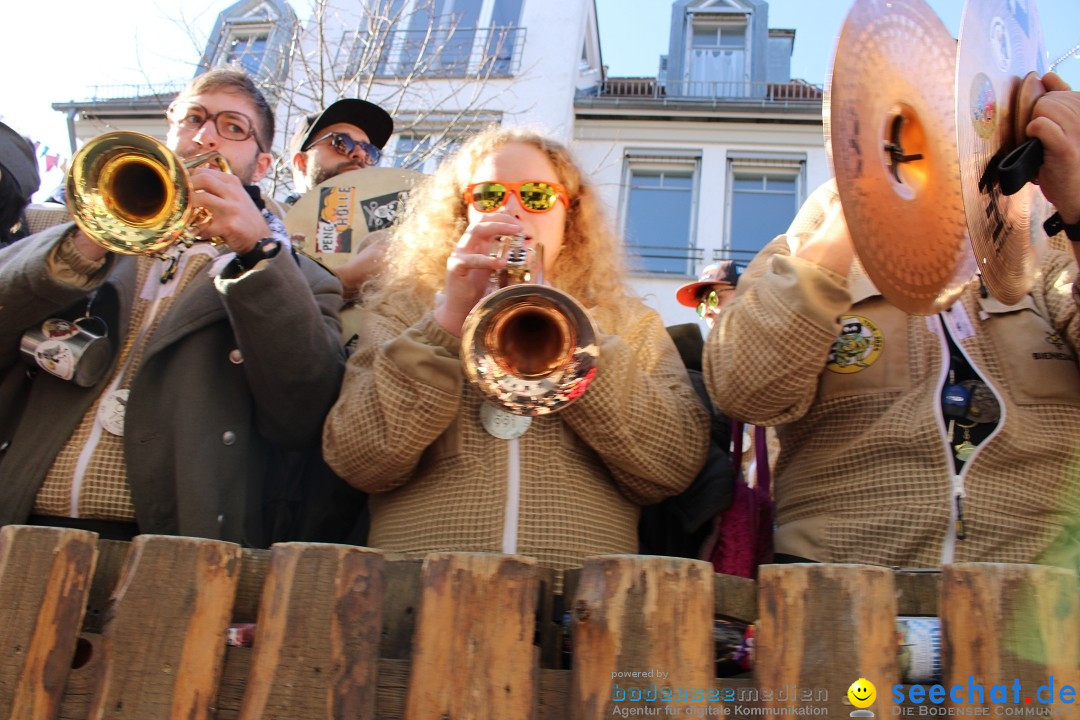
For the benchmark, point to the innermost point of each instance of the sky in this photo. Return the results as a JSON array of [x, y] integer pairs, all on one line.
[[62, 50]]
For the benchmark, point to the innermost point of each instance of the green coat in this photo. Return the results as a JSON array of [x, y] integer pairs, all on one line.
[[199, 426]]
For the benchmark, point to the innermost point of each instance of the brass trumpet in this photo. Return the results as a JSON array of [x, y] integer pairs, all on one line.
[[131, 194], [531, 349]]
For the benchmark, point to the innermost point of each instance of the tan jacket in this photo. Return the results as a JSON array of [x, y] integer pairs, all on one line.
[[407, 429], [865, 472]]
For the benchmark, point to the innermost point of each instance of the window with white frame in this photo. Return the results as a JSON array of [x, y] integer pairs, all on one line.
[[504, 37], [450, 38], [659, 211], [717, 66], [247, 49], [765, 191], [422, 152]]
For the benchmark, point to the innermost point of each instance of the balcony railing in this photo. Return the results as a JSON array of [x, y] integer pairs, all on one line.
[[144, 93], [796, 90], [743, 257], [663, 259], [461, 52]]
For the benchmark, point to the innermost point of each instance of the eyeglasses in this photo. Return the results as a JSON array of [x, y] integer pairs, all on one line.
[[230, 124], [345, 145], [534, 195], [711, 301]]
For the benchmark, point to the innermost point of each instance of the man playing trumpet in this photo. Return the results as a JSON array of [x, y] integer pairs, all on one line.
[[219, 353]]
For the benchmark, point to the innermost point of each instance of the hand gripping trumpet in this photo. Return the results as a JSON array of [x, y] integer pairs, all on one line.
[[131, 194], [531, 349]]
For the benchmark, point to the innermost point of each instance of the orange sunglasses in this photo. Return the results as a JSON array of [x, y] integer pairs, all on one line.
[[534, 195]]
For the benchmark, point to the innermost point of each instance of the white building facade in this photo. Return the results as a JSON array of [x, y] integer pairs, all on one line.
[[708, 160]]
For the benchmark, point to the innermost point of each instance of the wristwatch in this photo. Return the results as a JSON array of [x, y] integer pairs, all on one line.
[[1054, 224], [265, 248]]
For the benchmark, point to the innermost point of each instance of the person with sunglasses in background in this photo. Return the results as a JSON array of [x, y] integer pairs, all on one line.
[[348, 135], [448, 471], [713, 289], [215, 354]]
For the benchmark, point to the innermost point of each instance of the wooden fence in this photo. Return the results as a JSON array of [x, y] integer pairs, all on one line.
[[137, 631]]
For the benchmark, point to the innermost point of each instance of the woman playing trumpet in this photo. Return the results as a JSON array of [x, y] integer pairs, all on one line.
[[408, 427]]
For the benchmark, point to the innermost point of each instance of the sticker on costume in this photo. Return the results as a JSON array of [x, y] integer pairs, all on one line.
[[501, 424], [335, 220], [112, 410], [983, 106], [55, 357], [858, 346], [958, 322], [380, 212], [57, 329]]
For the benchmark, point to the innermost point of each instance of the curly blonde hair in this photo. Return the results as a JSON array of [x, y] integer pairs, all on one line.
[[590, 266]]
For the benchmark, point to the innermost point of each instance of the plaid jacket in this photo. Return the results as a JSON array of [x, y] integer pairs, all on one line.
[[407, 429], [865, 472]]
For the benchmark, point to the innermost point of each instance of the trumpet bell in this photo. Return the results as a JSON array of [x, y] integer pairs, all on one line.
[[530, 349], [132, 195]]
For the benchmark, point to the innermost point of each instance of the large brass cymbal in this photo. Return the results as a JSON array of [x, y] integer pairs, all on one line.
[[891, 137], [1000, 43], [330, 221]]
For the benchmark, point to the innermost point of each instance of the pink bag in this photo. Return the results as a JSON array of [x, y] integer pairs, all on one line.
[[742, 537]]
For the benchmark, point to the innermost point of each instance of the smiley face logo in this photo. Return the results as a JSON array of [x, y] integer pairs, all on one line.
[[862, 693]]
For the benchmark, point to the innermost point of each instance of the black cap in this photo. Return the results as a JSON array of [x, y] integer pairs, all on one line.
[[19, 160], [369, 117]]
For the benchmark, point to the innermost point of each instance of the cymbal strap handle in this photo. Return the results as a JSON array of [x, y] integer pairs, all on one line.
[[1020, 167]]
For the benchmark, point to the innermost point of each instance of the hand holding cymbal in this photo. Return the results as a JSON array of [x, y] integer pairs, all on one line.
[[1055, 124]]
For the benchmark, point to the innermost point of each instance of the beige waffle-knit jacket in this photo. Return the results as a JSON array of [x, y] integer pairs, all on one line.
[[865, 472], [406, 428]]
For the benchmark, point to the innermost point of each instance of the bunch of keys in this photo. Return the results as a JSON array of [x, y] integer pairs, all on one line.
[[966, 404]]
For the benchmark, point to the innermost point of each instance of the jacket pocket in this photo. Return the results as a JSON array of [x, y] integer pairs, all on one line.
[[869, 355], [1038, 365]]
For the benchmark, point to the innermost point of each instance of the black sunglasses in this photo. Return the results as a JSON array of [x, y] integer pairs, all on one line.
[[346, 145]]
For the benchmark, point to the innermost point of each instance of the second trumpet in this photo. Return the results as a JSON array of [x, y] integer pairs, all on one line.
[[531, 349]]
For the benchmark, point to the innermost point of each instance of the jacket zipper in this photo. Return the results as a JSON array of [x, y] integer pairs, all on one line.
[[957, 529], [513, 497]]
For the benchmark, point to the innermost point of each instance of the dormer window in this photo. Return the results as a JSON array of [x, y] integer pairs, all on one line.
[[717, 61], [247, 48], [255, 36]]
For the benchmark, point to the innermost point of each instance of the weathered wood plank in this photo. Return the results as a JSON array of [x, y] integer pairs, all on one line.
[[821, 627], [164, 632], [473, 653], [1002, 623], [642, 628], [917, 591], [400, 607], [735, 598], [317, 637], [45, 576]]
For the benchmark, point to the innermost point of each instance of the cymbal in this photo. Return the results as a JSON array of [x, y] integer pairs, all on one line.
[[890, 133], [329, 222], [1000, 44]]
